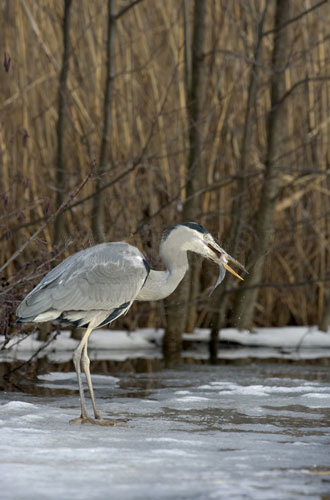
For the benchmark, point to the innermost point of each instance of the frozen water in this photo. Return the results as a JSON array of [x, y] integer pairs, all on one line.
[[252, 432], [286, 343], [255, 431]]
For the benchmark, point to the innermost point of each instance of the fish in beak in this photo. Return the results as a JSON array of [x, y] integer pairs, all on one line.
[[222, 258], [227, 266]]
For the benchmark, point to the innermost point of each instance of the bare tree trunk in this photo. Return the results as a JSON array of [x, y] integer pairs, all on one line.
[[246, 299], [98, 200], [178, 304], [325, 319], [61, 175], [220, 297], [324, 322]]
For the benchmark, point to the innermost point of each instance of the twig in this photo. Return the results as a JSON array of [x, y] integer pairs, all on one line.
[[281, 285], [41, 348], [302, 82], [126, 8], [71, 196], [3, 345], [294, 19]]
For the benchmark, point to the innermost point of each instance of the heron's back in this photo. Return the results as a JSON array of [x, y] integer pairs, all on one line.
[[98, 280]]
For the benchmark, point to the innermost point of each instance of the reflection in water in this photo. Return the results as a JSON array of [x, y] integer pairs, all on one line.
[[18, 376], [22, 376], [134, 387]]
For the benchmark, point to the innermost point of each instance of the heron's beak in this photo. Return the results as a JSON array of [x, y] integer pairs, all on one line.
[[221, 257], [232, 271]]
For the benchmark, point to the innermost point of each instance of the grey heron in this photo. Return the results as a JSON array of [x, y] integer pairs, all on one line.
[[97, 285]]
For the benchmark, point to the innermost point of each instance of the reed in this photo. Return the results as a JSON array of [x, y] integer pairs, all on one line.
[[149, 123]]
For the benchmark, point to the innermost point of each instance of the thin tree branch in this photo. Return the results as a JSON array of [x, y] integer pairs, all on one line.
[[294, 19], [34, 355], [280, 285], [302, 82], [71, 196], [126, 9]]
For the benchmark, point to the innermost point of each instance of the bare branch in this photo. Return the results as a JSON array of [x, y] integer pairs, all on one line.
[[126, 9], [294, 19], [281, 285], [302, 82], [71, 196]]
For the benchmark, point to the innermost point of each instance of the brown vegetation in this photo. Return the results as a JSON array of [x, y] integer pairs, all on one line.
[[144, 167]]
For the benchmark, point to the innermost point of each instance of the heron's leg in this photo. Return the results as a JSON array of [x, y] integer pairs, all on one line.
[[98, 419], [76, 361], [80, 357], [85, 364]]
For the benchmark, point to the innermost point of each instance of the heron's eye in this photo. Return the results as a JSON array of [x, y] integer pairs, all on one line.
[[205, 237]]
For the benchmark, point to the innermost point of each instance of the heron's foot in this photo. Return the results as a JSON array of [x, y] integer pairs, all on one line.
[[109, 421], [98, 421]]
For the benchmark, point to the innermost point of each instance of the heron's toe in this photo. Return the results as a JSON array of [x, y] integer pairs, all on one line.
[[98, 421]]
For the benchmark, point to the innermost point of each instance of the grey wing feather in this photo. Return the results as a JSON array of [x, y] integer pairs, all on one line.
[[98, 278]]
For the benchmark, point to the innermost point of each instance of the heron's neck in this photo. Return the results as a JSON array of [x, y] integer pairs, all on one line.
[[160, 284]]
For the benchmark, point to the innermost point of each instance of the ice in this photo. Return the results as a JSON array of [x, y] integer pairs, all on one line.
[[210, 433], [286, 343], [114, 344], [296, 337], [55, 376], [255, 431], [59, 376], [17, 405]]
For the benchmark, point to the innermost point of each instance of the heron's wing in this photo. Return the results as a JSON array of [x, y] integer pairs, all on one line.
[[99, 278]]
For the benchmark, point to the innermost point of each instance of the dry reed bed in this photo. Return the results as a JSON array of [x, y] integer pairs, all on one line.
[[149, 115]]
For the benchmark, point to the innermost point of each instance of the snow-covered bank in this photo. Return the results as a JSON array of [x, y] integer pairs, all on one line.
[[286, 342]]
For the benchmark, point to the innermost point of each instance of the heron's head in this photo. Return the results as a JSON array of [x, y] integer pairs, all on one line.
[[193, 237]]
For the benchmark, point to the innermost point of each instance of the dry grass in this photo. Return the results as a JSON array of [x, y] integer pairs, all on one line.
[[149, 115]]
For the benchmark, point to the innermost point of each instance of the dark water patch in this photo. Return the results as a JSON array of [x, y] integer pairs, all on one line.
[[139, 387], [229, 420], [299, 409]]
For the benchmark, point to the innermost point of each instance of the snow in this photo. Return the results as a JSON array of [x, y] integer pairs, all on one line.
[[258, 431], [279, 337], [285, 337], [263, 343], [255, 432], [114, 344]]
